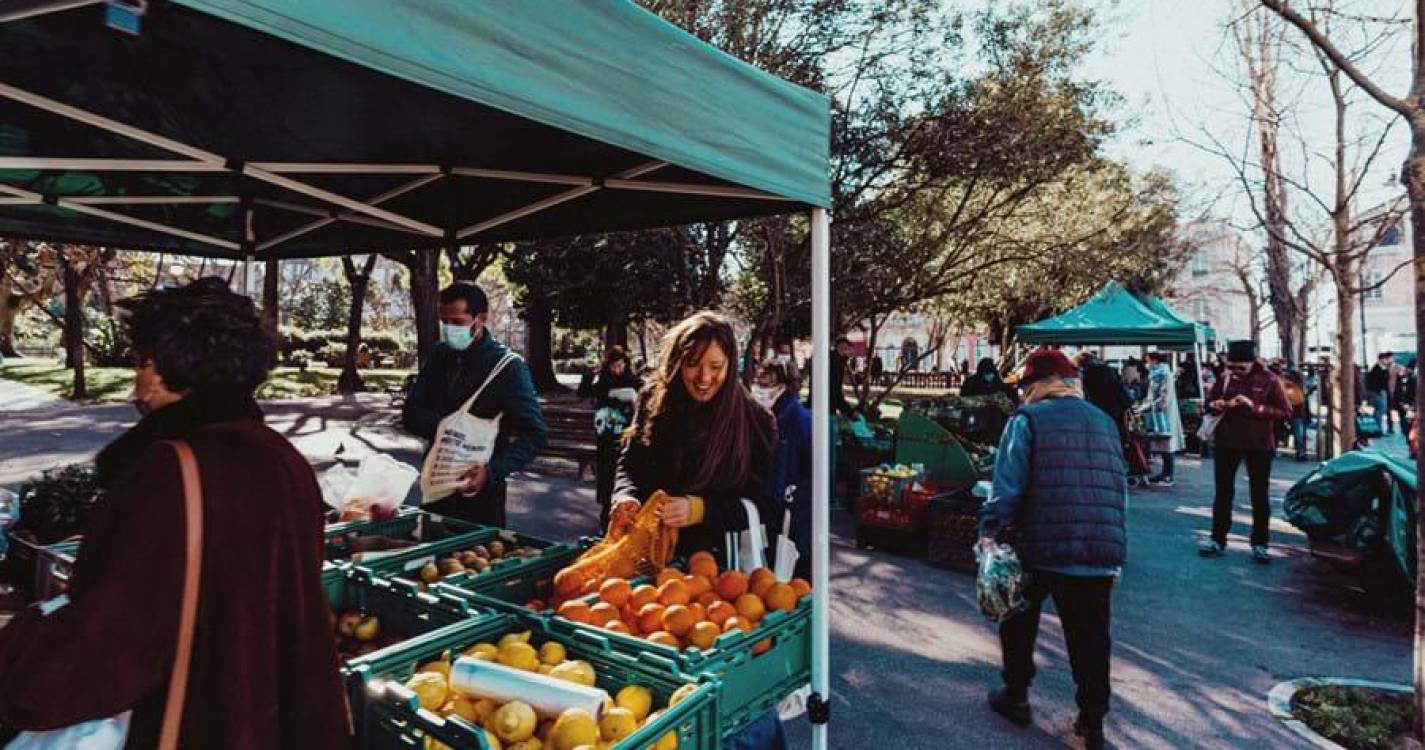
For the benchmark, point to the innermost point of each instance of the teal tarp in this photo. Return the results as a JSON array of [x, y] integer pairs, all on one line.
[[497, 105], [605, 69], [1114, 316], [1361, 500]]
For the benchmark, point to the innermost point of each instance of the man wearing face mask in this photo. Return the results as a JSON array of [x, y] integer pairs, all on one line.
[[458, 367]]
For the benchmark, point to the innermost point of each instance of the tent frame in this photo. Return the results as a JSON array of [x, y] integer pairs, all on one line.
[[370, 212]]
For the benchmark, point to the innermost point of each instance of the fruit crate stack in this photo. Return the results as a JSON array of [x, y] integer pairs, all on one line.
[[758, 648], [954, 527], [405, 698], [528, 585], [371, 614], [888, 514], [465, 557], [408, 527]]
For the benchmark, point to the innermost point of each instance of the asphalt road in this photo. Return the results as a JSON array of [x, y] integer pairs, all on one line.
[[1198, 643]]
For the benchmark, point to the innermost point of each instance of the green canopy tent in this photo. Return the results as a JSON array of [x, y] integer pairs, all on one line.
[[260, 129], [1115, 316]]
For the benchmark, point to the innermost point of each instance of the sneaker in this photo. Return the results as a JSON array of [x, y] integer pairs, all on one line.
[[1260, 555], [1160, 481], [1012, 707], [1091, 731], [1210, 548]]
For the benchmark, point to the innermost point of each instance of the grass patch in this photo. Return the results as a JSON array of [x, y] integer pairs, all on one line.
[[113, 384], [1355, 718]]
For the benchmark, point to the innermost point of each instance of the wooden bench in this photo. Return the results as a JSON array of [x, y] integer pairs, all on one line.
[[570, 432]]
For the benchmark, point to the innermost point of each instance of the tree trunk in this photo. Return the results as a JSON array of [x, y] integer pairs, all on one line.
[[539, 328], [271, 310], [1415, 186], [643, 342], [425, 300], [616, 334], [1345, 413], [350, 380], [9, 310], [74, 330]]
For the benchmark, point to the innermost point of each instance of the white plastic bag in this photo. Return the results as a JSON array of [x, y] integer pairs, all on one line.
[[999, 582], [462, 442], [101, 734], [381, 482], [747, 549]]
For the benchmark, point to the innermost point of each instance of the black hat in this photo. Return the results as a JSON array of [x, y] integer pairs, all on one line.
[[1242, 351]]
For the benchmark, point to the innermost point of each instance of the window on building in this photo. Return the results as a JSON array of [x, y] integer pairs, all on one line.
[[1391, 237], [1373, 283], [1199, 264], [1199, 310]]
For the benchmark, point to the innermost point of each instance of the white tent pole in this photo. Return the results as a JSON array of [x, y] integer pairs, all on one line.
[[113, 126], [382, 198], [821, 474], [152, 200], [287, 167], [683, 188], [343, 201], [108, 165], [507, 174], [34, 198], [32, 9], [354, 218], [554, 200]]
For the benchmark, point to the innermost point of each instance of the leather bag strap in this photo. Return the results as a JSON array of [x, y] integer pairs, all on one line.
[[188, 615]]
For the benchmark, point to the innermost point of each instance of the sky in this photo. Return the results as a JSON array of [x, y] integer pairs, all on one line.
[[1167, 58]]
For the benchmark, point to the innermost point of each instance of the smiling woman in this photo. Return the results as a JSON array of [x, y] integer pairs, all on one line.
[[698, 436]]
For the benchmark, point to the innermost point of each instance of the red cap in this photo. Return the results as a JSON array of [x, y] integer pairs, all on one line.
[[1045, 363]]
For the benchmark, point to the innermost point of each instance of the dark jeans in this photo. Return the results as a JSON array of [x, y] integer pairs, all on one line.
[[1083, 606], [605, 470], [1259, 473], [487, 508], [1169, 461], [1299, 425]]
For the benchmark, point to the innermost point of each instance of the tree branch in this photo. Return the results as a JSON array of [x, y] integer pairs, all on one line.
[[1283, 9]]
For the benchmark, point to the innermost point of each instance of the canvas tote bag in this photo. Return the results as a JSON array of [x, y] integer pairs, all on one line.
[[462, 441]]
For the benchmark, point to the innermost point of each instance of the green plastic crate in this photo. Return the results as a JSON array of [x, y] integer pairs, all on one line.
[[389, 716], [510, 587], [752, 685], [410, 523], [401, 607], [406, 564]]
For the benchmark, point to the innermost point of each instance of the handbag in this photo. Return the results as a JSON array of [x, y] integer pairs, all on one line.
[[112, 733], [462, 441], [1208, 428]]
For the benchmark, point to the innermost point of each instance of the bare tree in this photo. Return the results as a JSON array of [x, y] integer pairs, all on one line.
[[1411, 107], [350, 380]]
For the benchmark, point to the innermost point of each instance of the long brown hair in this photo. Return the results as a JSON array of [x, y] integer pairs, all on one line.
[[738, 425]]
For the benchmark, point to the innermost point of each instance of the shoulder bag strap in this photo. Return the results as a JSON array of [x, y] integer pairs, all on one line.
[[494, 373], [192, 573]]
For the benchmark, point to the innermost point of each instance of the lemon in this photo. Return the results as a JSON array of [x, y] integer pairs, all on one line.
[[462, 707], [492, 740], [637, 699], [441, 668], [681, 693], [573, 728], [545, 669], [617, 723], [579, 673], [519, 655], [483, 651], [430, 688], [552, 653], [515, 638], [532, 743], [514, 722], [435, 744]]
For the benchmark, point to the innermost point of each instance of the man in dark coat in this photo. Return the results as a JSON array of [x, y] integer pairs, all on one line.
[[456, 369], [263, 670], [1104, 388], [1060, 495]]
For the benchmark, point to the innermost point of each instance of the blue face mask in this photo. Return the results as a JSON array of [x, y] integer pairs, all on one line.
[[456, 337]]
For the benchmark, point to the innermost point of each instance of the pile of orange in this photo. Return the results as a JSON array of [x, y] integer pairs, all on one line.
[[688, 609]]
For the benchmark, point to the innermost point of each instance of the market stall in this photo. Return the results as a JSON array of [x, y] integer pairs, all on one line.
[[259, 129]]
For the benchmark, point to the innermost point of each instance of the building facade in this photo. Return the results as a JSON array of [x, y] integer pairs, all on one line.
[[1210, 289]]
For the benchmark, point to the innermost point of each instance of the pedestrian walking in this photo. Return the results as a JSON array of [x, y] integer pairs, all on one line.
[[1296, 396], [1059, 498], [1378, 389], [1250, 400], [614, 391], [470, 363], [789, 477], [1163, 421]]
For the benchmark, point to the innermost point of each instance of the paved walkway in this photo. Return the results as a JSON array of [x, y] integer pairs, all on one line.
[[1198, 643]]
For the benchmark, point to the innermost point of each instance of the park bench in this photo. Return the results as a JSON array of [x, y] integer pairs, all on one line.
[[570, 432]]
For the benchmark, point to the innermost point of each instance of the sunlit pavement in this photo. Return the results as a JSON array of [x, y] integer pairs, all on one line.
[[1198, 643]]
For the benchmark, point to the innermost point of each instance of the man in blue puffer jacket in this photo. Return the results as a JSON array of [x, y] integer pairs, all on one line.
[[1060, 498]]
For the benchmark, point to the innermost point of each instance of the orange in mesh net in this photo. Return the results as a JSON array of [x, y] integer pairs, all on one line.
[[633, 545]]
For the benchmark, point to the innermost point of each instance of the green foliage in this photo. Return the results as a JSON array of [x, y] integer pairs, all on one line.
[[1356, 718], [109, 342], [56, 504], [321, 304]]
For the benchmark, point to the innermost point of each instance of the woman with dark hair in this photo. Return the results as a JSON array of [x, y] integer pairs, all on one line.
[[262, 671], [789, 481], [698, 436], [614, 390]]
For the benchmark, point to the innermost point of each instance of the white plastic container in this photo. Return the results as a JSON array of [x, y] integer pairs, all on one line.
[[549, 697]]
